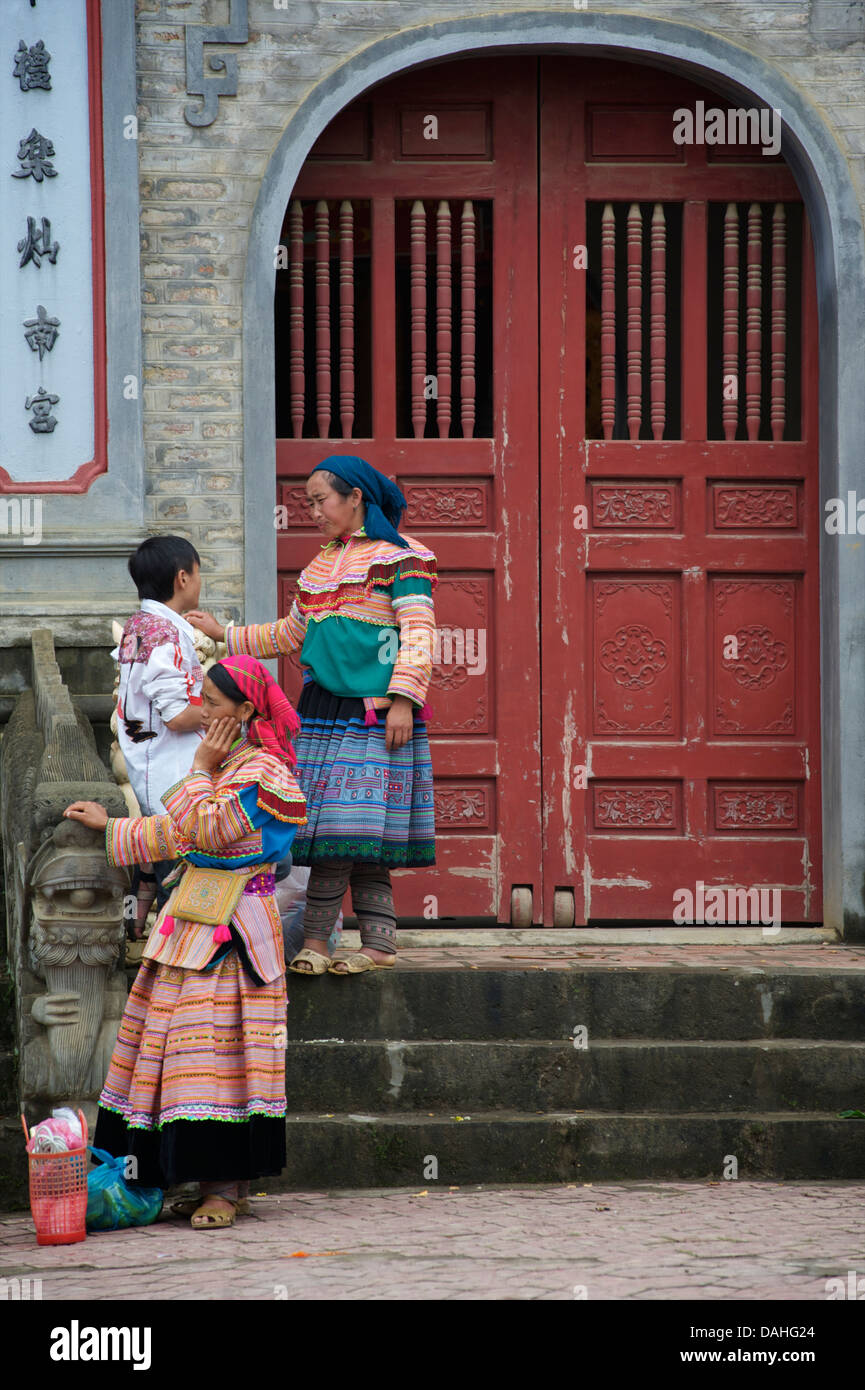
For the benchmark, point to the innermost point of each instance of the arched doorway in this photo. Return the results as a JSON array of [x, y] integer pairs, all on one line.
[[579, 348]]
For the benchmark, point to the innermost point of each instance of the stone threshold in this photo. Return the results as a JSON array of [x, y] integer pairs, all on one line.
[[495, 937]]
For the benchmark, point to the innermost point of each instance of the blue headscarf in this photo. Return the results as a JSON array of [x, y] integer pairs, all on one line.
[[383, 500]]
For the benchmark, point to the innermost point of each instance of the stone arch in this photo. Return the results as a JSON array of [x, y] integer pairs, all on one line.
[[839, 247]]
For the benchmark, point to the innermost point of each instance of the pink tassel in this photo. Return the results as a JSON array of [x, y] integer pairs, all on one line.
[[371, 717], [221, 934], [426, 711], [167, 926]]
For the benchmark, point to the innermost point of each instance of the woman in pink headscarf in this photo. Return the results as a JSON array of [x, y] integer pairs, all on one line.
[[196, 1086]]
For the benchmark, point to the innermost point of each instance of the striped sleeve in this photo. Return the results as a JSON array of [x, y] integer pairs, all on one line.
[[140, 840], [279, 638], [210, 819], [415, 617]]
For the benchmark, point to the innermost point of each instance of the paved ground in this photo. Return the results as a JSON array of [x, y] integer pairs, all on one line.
[[611, 1241], [632, 1240]]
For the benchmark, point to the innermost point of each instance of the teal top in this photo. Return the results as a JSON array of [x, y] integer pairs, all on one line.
[[349, 657]]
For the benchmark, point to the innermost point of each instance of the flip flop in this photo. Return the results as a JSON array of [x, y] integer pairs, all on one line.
[[216, 1220], [317, 962], [358, 964]]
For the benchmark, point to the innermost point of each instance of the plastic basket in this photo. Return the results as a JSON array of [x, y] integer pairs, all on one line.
[[58, 1192]]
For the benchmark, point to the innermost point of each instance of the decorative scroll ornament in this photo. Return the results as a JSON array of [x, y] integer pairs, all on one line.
[[760, 657], [34, 155], [634, 656], [439, 505], [212, 88], [757, 809], [456, 805], [618, 506], [640, 808]]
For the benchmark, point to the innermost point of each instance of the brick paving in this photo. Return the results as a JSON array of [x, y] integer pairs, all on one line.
[[632, 1240]]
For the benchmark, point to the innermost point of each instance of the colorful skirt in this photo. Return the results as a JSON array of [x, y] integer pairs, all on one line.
[[363, 801], [196, 1086]]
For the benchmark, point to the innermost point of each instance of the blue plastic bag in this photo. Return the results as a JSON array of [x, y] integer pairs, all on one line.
[[112, 1203]]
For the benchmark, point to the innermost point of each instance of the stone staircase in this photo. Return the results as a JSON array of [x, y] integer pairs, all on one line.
[[683, 1070]]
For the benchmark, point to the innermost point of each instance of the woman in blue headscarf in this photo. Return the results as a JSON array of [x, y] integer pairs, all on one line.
[[363, 619]]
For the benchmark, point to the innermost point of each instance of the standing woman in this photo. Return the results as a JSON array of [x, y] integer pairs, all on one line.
[[196, 1085], [363, 618]]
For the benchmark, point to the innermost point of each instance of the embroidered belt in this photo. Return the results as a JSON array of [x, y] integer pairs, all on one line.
[[261, 885]]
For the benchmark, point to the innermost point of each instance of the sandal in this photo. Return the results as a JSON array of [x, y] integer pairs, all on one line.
[[209, 1220], [358, 964], [317, 963], [188, 1206]]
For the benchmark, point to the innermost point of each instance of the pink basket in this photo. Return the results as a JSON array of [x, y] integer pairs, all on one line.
[[58, 1192]]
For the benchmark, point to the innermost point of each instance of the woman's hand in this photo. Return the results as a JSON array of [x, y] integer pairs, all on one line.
[[200, 618], [89, 813], [214, 747], [399, 725]]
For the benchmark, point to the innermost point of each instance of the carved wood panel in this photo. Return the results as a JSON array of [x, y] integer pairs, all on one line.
[[753, 656], [635, 656]]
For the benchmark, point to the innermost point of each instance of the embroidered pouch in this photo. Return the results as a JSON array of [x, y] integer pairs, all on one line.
[[208, 895]]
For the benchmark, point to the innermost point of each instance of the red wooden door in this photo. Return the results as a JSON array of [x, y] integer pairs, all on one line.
[[680, 607], [405, 325], [578, 348]]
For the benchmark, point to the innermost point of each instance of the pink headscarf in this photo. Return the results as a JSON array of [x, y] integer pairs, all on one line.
[[276, 720]]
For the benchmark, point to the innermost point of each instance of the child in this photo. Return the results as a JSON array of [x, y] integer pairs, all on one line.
[[159, 695]]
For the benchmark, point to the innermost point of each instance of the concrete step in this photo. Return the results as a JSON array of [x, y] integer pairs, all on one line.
[[638, 1075], [670, 1002], [359, 1150]]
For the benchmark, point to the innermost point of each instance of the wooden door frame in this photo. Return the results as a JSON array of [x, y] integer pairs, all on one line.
[[835, 217]]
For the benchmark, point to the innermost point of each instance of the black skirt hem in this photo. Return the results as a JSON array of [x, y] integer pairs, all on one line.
[[195, 1150]]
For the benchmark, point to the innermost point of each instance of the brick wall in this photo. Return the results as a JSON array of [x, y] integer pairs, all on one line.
[[198, 188]]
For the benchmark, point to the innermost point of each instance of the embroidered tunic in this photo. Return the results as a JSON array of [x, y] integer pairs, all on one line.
[[363, 617], [159, 676], [244, 814]]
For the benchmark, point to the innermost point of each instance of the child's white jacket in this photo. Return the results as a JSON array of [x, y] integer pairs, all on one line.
[[160, 675]]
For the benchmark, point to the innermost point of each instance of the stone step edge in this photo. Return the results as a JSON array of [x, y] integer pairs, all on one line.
[[485, 937], [409, 1118], [599, 1044]]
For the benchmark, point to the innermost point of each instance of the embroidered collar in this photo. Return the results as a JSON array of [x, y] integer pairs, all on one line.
[[359, 534], [239, 746], [161, 610]]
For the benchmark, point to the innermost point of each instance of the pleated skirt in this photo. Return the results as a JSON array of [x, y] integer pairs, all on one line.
[[196, 1085], [363, 801]]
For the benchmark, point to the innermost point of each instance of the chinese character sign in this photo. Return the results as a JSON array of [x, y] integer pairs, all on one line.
[[47, 373]]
